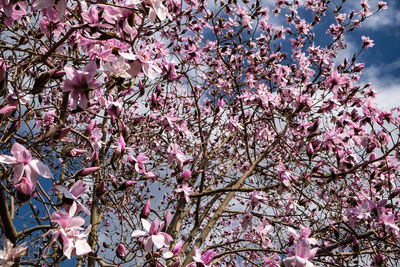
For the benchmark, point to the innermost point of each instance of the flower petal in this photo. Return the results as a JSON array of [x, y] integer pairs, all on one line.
[[82, 247], [138, 233], [158, 240]]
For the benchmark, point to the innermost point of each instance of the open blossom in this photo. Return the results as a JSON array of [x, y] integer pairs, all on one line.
[[186, 191], [153, 235], [117, 69], [44, 4], [157, 9], [367, 42], [72, 194], [202, 259], [302, 256], [256, 198], [24, 164], [80, 83], [142, 61], [174, 153], [389, 223], [9, 254], [73, 241]]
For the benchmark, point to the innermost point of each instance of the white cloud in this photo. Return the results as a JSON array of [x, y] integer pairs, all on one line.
[[384, 18], [385, 83]]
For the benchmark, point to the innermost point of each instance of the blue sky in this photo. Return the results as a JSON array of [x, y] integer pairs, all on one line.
[[382, 62]]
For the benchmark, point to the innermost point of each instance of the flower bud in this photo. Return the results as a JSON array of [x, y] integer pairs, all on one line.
[[88, 171], [24, 189], [310, 150], [145, 211], [121, 251], [379, 259], [185, 175], [100, 189]]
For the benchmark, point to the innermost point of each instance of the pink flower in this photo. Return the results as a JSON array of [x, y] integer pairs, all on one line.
[[157, 9], [45, 4], [76, 190], [23, 163], [185, 175], [382, 5], [118, 68], [142, 60], [24, 189], [145, 211], [74, 242], [153, 235], [121, 250], [77, 152], [263, 230], [303, 254], [256, 198], [140, 160], [390, 225], [175, 154], [186, 191], [201, 259], [80, 83], [88, 170], [9, 254], [366, 42]]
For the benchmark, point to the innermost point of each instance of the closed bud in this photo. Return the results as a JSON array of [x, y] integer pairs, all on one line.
[[121, 251], [310, 150], [100, 189], [379, 259], [87, 171], [185, 175], [24, 189], [145, 211]]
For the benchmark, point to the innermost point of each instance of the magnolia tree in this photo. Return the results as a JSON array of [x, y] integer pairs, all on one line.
[[176, 133]]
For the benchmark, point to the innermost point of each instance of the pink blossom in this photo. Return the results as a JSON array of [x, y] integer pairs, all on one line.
[[118, 68], [186, 191], [142, 60], [382, 5], [77, 152], [153, 235], [140, 160], [45, 4], [76, 190], [80, 83], [88, 170], [367, 42], [256, 198], [23, 163], [174, 153], [157, 9], [263, 230], [74, 242], [202, 259], [303, 254], [9, 254], [25, 188], [389, 223], [121, 250], [185, 175], [145, 211]]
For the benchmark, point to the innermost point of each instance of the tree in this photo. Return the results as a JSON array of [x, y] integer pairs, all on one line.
[[176, 133]]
